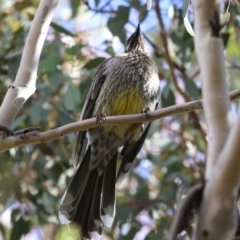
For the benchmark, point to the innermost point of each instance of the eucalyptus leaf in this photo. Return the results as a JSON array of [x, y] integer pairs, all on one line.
[[20, 227], [93, 63], [167, 97], [72, 97], [188, 26], [192, 89]]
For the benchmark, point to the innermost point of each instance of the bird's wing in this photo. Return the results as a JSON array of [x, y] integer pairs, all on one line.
[[88, 108], [129, 153]]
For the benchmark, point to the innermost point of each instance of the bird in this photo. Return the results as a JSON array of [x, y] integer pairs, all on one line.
[[123, 84]]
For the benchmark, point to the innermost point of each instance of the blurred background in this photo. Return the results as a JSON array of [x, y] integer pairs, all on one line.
[[82, 34]]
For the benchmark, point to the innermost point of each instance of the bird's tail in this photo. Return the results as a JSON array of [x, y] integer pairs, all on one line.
[[89, 199]]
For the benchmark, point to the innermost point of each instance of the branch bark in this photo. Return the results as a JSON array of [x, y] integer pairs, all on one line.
[[25, 83], [7, 142], [210, 52], [217, 216]]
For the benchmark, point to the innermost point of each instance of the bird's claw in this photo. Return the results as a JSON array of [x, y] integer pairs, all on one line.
[[99, 118], [146, 110]]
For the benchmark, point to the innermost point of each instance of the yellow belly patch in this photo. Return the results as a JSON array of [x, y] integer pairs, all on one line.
[[127, 103]]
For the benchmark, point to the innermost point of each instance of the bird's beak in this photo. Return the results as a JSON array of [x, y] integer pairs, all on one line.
[[136, 41], [138, 31]]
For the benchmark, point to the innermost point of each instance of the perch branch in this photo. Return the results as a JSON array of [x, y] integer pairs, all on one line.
[[34, 137]]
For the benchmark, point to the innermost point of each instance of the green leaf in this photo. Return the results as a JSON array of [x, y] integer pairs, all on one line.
[[94, 63], [74, 50], [48, 201], [225, 19], [50, 64], [225, 37], [61, 29], [18, 120], [54, 79], [167, 97], [110, 51], [96, 3], [117, 29], [72, 97], [116, 24], [38, 112], [192, 89], [3, 231], [75, 4], [143, 14], [20, 228], [123, 14], [69, 232], [188, 26]]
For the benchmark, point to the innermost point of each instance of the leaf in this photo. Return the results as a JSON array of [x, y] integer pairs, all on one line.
[[123, 14], [69, 232], [61, 29], [72, 97], [2, 230], [225, 19], [225, 37], [94, 63], [20, 228], [54, 79], [110, 51], [75, 4], [96, 3], [50, 64], [167, 97], [117, 29], [192, 89], [149, 4], [48, 201], [188, 26], [143, 12], [39, 111], [74, 50], [171, 11], [116, 24], [18, 120]]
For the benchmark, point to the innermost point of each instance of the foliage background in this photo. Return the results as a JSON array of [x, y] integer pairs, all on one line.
[[82, 34]]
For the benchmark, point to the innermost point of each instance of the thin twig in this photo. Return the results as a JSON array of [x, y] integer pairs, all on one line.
[[167, 55], [186, 97]]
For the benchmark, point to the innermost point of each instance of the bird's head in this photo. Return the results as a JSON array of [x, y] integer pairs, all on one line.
[[136, 42]]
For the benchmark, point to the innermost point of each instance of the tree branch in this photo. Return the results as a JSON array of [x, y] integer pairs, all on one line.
[[25, 83], [167, 55], [216, 218], [7, 142]]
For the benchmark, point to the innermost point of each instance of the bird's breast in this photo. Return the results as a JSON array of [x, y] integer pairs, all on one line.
[[127, 102]]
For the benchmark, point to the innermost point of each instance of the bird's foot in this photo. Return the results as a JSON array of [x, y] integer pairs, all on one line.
[[146, 110], [139, 125], [99, 118]]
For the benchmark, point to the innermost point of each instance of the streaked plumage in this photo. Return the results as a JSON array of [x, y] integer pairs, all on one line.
[[124, 84]]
